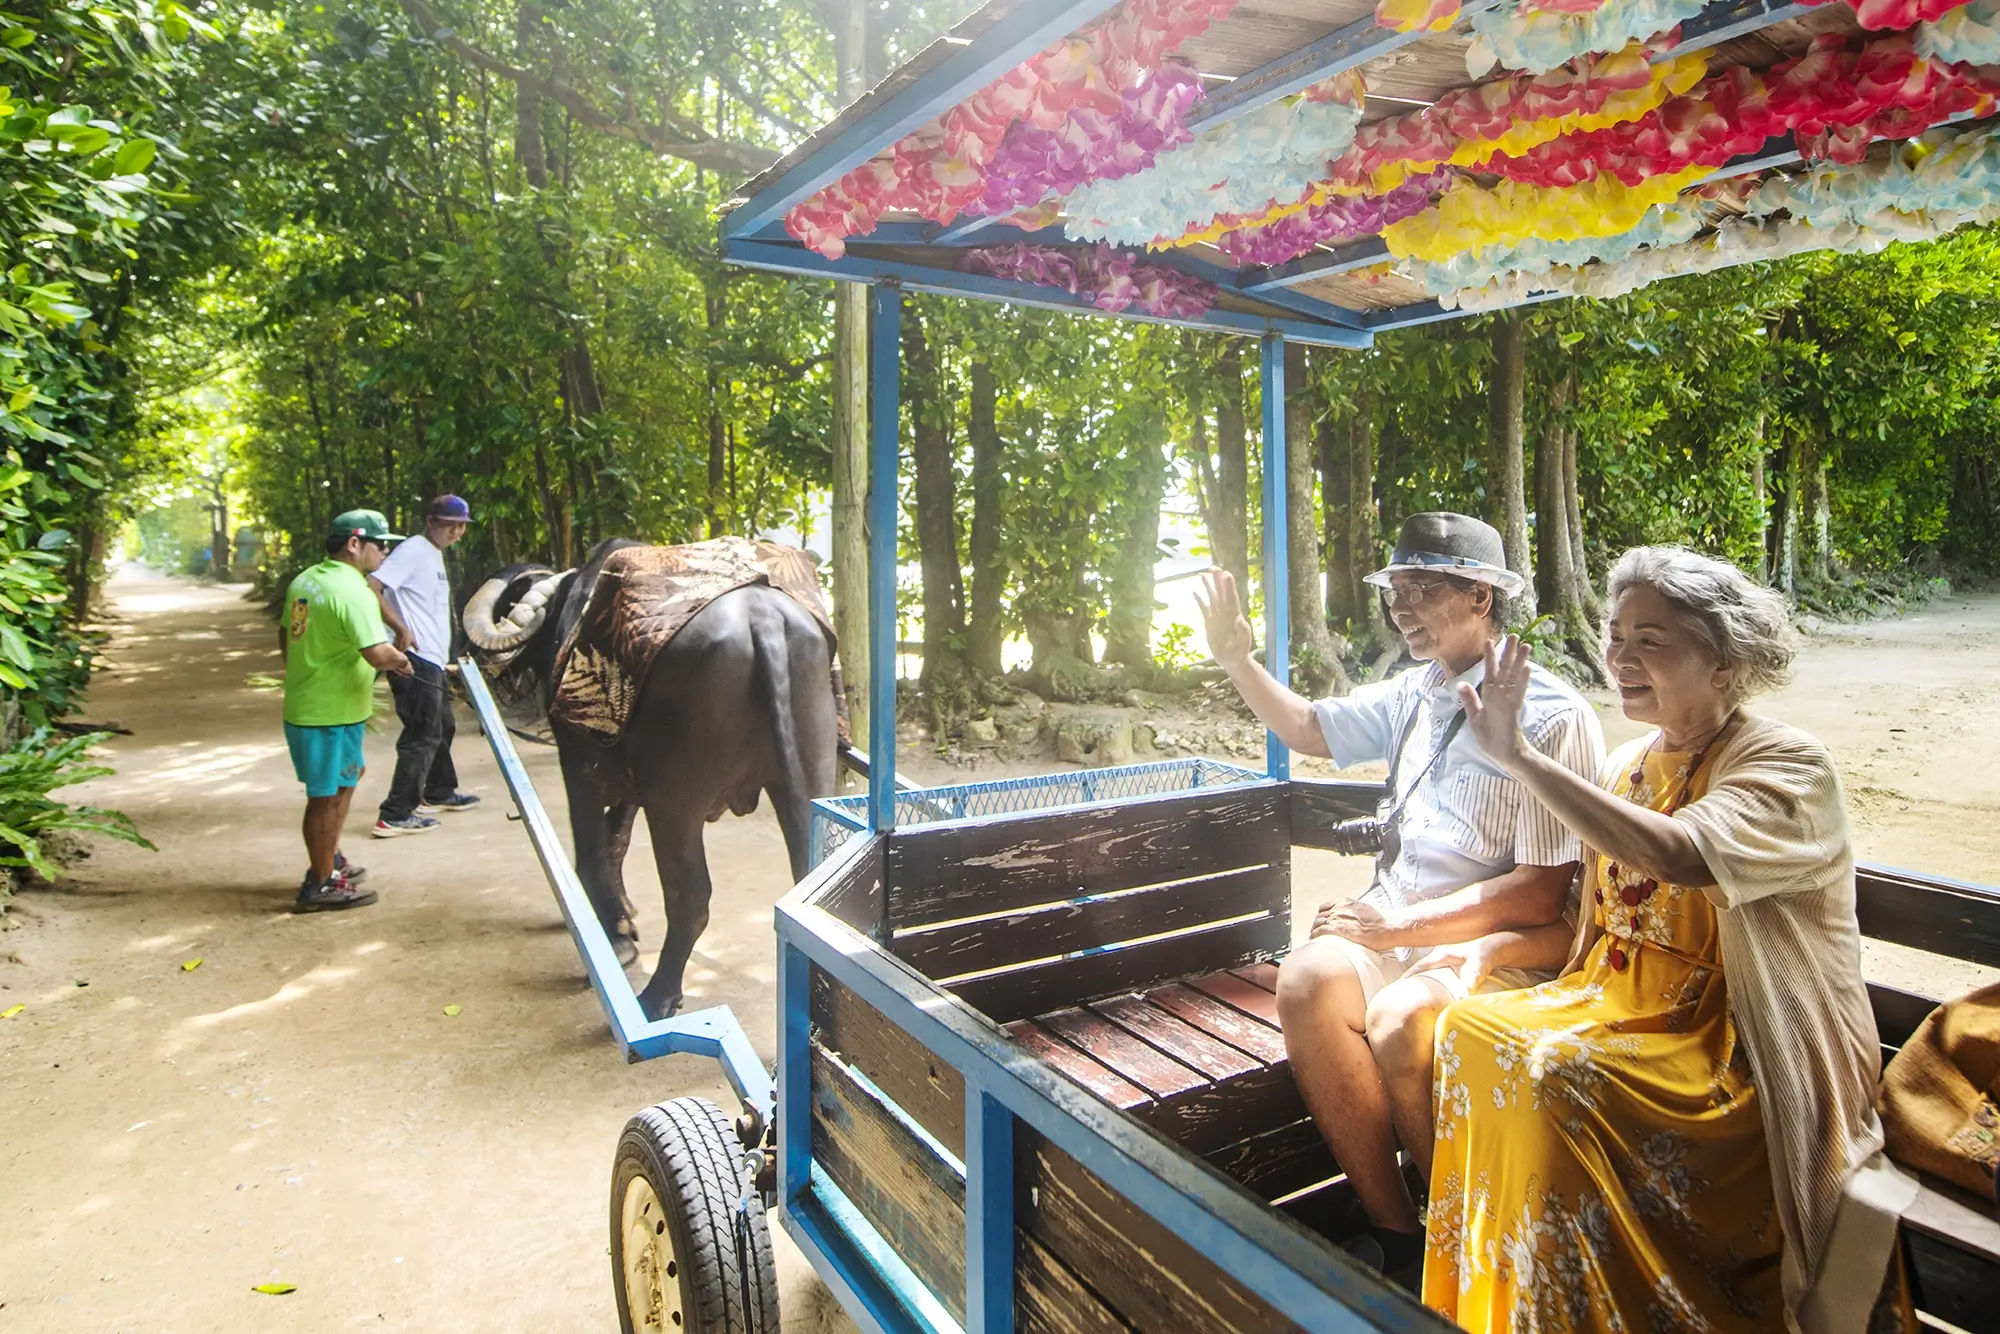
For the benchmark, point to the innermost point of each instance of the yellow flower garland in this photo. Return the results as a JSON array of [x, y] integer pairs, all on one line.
[[1470, 217]]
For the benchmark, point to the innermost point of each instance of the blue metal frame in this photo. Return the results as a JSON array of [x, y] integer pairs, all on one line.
[[713, 1032], [1260, 1248], [1021, 32], [1277, 547], [885, 422], [798, 261]]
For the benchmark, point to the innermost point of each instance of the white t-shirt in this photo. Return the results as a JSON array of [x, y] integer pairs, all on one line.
[[415, 573]]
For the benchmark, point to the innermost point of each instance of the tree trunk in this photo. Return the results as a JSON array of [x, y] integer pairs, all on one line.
[[1363, 539], [1506, 473], [1331, 449], [1822, 519], [220, 548], [1128, 627], [1586, 591], [1788, 531], [850, 497], [849, 20], [718, 443], [1228, 534], [1760, 498], [1315, 656], [1555, 571], [528, 149], [937, 512], [989, 575]]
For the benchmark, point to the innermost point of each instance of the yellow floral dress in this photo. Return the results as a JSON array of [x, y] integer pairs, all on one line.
[[1599, 1161]]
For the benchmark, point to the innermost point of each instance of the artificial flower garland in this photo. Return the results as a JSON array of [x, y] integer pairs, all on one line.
[[1112, 280], [1666, 224], [1274, 153], [1470, 217], [940, 169], [1331, 219], [1970, 33], [1913, 191], [1512, 115], [1539, 38], [1837, 100]]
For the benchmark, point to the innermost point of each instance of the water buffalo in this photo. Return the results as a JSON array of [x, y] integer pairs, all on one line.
[[740, 700]]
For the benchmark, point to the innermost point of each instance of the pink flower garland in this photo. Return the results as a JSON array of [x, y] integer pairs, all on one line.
[[1338, 218], [940, 169], [1032, 163], [1113, 280]]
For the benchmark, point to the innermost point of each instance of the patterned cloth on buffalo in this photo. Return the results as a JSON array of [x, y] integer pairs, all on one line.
[[643, 597]]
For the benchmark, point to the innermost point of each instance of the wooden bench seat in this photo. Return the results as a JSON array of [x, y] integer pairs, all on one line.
[[1202, 1061]]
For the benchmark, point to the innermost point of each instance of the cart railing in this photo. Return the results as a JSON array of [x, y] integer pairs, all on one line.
[[1008, 1093], [712, 1032], [837, 819]]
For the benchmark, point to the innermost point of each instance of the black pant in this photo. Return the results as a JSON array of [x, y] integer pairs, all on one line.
[[424, 771]]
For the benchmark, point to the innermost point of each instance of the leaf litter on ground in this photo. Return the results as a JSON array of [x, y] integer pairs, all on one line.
[[275, 1289], [190, 965], [453, 1010]]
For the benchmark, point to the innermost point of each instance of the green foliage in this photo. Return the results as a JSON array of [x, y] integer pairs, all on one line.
[[41, 763]]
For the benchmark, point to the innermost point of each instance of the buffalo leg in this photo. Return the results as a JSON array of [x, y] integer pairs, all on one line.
[[618, 821], [597, 862], [683, 867]]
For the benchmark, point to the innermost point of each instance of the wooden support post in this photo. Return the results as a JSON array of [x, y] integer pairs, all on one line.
[[989, 1214]]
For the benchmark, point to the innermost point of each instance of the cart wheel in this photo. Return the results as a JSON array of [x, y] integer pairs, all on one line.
[[689, 1250]]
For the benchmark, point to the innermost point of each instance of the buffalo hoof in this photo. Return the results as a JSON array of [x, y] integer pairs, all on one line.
[[654, 1008], [627, 950]]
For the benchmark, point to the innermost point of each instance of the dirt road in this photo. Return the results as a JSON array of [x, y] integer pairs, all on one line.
[[299, 1108]]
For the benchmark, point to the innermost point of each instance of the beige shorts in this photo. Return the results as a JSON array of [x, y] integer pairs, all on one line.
[[1377, 970]]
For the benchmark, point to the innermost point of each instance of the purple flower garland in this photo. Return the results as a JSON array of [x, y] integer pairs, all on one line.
[[1113, 280], [1336, 218]]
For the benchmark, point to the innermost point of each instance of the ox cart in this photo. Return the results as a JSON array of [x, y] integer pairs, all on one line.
[[1029, 1072]]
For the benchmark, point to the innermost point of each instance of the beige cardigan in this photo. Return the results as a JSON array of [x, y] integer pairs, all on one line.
[[1773, 829]]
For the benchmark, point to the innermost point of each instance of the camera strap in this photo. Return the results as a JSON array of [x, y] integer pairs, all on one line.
[[1392, 819]]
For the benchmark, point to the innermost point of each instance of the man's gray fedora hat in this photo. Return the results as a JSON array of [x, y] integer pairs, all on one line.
[[1454, 544]]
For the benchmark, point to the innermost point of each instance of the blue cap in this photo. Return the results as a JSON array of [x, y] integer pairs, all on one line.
[[451, 509]]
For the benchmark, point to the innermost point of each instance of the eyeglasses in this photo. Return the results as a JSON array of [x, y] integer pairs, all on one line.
[[1410, 594]]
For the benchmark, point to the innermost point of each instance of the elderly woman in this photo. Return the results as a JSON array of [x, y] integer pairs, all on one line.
[[1679, 1132]]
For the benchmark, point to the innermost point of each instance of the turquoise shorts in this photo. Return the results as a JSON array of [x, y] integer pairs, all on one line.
[[326, 759]]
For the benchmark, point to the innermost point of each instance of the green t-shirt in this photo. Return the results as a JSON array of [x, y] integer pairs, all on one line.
[[331, 615]]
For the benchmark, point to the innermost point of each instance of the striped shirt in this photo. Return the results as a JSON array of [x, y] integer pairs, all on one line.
[[1467, 819]]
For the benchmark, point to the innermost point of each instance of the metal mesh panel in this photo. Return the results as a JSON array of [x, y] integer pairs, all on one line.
[[835, 819]]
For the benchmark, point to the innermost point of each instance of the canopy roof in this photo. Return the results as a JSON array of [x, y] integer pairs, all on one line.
[[1328, 168]]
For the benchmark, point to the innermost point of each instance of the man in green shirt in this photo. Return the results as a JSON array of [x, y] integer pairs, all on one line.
[[334, 644]]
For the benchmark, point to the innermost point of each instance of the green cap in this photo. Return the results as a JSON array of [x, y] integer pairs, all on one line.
[[368, 524]]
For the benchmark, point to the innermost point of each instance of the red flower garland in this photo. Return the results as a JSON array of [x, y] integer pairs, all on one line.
[[1836, 100]]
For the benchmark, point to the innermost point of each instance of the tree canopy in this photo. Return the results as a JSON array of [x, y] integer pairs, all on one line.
[[290, 258]]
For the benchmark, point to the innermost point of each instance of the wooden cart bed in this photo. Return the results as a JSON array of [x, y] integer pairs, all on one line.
[[1131, 947]]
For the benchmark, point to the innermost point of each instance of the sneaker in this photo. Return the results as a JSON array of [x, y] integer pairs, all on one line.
[[355, 874], [332, 894], [411, 824], [457, 801]]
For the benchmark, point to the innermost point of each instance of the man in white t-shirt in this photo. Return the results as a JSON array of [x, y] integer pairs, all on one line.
[[416, 605]]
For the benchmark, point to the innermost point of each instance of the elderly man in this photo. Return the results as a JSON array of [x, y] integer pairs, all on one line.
[[416, 602], [334, 643], [1472, 872]]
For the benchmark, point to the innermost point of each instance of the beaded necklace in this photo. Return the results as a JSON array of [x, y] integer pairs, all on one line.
[[1637, 891]]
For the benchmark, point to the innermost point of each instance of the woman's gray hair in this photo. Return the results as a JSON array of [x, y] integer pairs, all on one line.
[[1747, 627]]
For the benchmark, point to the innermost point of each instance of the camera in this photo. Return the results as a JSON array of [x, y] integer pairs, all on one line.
[[1357, 838]]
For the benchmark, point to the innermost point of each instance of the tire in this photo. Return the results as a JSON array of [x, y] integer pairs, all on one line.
[[682, 1256]]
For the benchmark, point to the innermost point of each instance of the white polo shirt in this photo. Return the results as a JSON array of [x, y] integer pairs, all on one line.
[[1467, 819], [415, 573]]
